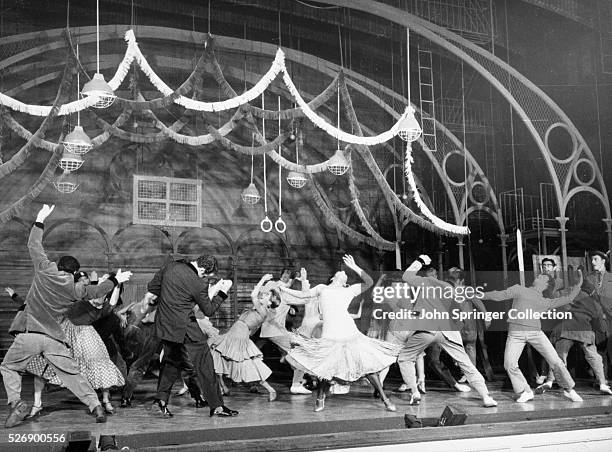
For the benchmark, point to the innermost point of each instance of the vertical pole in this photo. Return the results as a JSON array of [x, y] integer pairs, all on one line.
[[504, 245], [608, 222], [562, 221]]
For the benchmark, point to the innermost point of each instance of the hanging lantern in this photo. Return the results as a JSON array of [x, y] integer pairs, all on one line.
[[409, 128], [296, 179], [70, 161], [77, 141], [97, 87], [250, 195], [338, 164], [66, 183]]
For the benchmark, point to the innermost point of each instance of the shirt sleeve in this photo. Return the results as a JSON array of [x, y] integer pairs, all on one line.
[[207, 305], [154, 285], [35, 247], [560, 301], [500, 295]]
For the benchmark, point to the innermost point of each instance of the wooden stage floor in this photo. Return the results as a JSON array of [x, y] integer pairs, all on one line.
[[290, 423]]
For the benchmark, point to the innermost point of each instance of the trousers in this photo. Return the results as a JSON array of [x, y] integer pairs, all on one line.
[[25, 347]]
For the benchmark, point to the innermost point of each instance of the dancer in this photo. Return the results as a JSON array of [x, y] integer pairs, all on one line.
[[86, 347], [144, 345], [602, 280], [443, 331], [53, 290], [273, 328], [524, 328], [586, 321], [471, 327], [342, 353], [178, 287], [235, 355], [396, 335]]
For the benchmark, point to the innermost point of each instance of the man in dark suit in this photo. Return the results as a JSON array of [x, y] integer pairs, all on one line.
[[178, 287], [602, 281]]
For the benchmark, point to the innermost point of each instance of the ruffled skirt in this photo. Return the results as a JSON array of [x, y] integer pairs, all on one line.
[[345, 359], [235, 355], [90, 354]]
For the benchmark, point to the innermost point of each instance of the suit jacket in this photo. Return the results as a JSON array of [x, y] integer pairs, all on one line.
[[179, 289], [603, 293], [52, 293]]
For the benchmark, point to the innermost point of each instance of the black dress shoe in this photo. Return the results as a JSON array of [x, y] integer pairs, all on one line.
[[224, 412], [163, 408], [200, 402], [98, 412], [126, 403]]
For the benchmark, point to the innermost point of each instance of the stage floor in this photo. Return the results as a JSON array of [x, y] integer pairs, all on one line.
[[289, 416]]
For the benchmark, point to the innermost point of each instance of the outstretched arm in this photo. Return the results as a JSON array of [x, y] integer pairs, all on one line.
[[557, 302], [255, 293], [35, 247], [410, 274], [300, 293], [349, 261]]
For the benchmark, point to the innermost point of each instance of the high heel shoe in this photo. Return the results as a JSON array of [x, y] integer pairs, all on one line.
[[34, 412], [108, 407], [389, 405], [421, 387], [272, 396], [319, 405]]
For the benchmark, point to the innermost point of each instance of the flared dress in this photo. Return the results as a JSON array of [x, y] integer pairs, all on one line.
[[342, 352]]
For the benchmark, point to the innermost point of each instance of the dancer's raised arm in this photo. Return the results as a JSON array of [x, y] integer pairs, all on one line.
[[255, 292], [349, 261]]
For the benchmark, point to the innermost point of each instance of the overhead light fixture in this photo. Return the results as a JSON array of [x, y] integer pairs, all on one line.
[[70, 161], [408, 128], [338, 164], [296, 179], [77, 141], [66, 183], [97, 86], [250, 195]]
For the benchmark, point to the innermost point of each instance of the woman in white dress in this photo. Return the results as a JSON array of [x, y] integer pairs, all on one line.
[[342, 353]]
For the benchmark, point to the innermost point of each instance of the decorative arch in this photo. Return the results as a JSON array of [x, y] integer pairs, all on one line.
[[56, 224]]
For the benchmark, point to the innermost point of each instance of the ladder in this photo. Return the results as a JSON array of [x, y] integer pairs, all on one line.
[[427, 101]]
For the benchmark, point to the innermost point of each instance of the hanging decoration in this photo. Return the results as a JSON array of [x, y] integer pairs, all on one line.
[[438, 222], [330, 216], [36, 188], [100, 94], [250, 195], [390, 196], [22, 154], [280, 224]]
